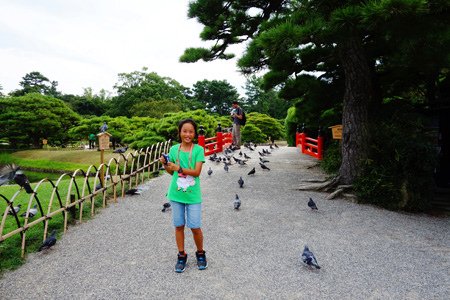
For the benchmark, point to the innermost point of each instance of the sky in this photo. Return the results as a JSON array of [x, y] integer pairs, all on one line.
[[87, 43]]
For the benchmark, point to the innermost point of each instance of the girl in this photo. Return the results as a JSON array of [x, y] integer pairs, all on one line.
[[185, 165]]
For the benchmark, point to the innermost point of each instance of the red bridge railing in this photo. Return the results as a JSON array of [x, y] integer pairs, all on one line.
[[216, 143], [309, 146]]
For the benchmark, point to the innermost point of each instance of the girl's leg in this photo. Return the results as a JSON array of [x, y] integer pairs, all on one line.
[[198, 238], [179, 237]]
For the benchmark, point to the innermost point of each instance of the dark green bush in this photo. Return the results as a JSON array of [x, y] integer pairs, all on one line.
[[399, 171], [332, 158]]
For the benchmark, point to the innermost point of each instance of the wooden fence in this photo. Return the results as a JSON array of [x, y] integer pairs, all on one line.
[[127, 169]]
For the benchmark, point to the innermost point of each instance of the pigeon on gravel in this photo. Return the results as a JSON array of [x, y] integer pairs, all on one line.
[[263, 160], [15, 208], [31, 213], [237, 202], [246, 156], [241, 182], [49, 241], [225, 167], [133, 192], [210, 171], [252, 172], [312, 204], [14, 172], [264, 167], [166, 207], [309, 259]]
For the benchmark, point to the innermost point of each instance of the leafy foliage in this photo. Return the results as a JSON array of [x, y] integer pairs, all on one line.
[[142, 86], [399, 173], [216, 96], [28, 119], [35, 82]]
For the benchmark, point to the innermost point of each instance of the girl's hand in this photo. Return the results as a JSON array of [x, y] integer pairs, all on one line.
[[172, 167]]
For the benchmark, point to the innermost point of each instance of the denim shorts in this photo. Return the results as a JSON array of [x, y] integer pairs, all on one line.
[[186, 214]]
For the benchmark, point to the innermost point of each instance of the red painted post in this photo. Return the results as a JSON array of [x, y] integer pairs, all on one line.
[[320, 147], [219, 136], [303, 139], [297, 139], [319, 144]]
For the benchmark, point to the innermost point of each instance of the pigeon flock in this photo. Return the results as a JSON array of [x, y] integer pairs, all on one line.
[[235, 159]]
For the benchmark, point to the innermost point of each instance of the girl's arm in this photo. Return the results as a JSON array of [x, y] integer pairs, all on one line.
[[193, 172]]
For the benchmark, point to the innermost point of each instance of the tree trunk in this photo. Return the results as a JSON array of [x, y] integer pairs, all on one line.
[[357, 98]]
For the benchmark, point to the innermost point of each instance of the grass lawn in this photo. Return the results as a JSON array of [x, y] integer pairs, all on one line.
[[45, 160]]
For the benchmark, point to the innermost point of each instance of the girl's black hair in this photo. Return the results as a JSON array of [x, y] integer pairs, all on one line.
[[182, 122]]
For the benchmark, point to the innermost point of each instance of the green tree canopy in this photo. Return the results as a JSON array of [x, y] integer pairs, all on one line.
[[348, 42], [35, 82], [30, 118], [216, 95], [142, 86]]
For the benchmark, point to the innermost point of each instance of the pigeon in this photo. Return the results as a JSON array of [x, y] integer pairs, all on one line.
[[49, 241], [261, 154], [240, 153], [263, 160], [133, 192], [15, 208], [210, 171], [31, 213], [241, 162], [237, 202], [264, 167], [271, 146], [166, 207], [241, 182], [309, 259], [246, 156], [225, 167], [13, 172], [252, 172], [276, 146], [312, 204], [121, 150]]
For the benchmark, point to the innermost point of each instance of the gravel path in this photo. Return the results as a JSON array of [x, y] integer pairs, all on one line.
[[128, 250]]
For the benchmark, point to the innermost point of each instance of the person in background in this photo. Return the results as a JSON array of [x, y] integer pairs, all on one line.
[[236, 114], [91, 141]]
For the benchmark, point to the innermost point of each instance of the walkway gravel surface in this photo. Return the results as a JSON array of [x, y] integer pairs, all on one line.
[[128, 250]]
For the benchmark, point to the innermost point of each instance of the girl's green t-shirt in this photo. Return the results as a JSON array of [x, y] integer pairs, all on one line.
[[185, 188]]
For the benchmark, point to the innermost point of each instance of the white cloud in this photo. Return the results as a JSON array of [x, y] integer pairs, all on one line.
[[82, 43]]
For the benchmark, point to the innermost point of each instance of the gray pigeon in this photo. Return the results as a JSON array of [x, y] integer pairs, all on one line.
[[252, 172], [312, 204], [13, 172], [237, 202], [166, 207], [241, 182], [225, 167], [133, 192], [246, 156], [31, 213], [15, 208], [263, 160], [210, 171], [309, 259], [121, 150], [264, 167], [49, 241]]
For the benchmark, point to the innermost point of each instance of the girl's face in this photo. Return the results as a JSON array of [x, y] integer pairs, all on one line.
[[187, 133]]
